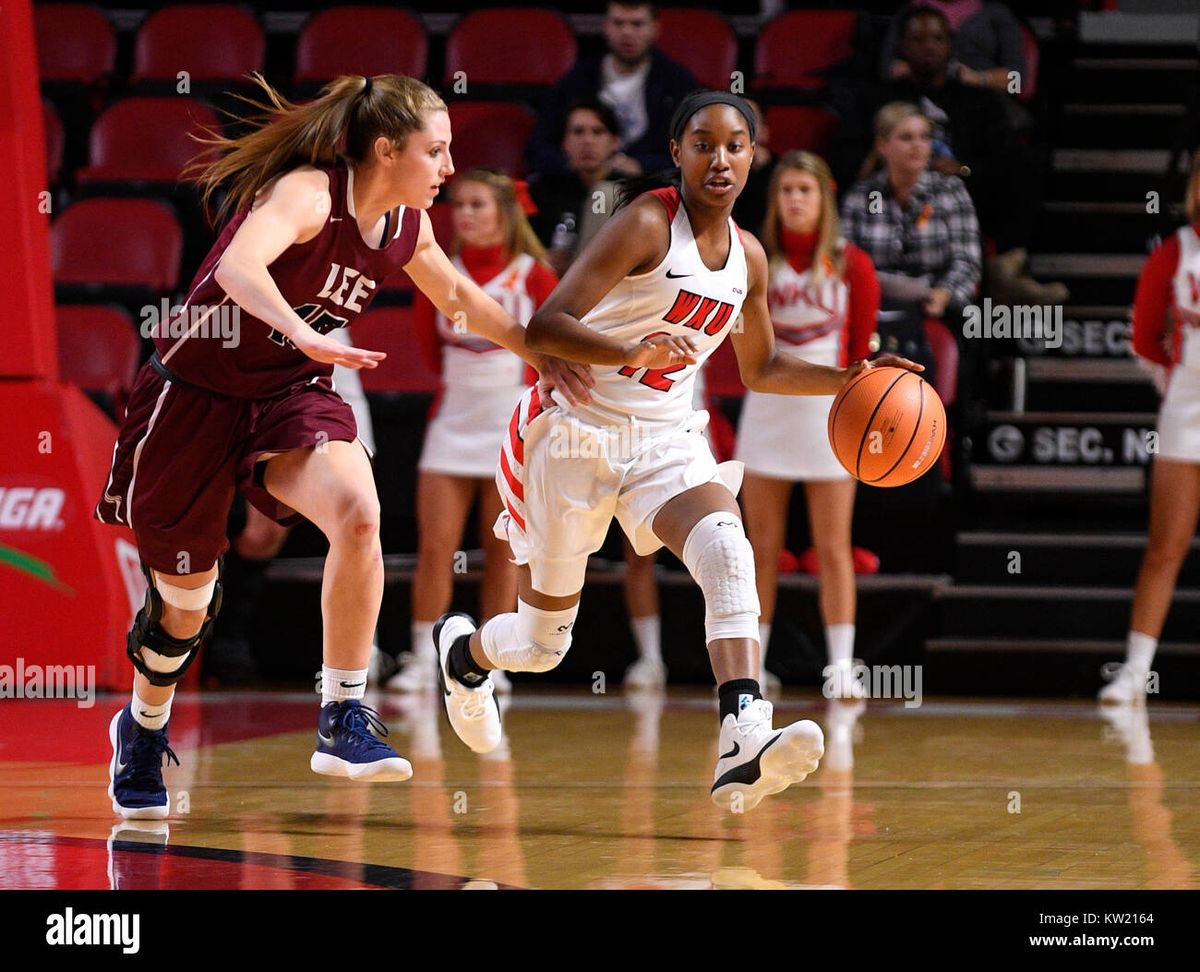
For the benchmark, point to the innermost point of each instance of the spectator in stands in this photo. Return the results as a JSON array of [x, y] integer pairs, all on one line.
[[919, 228], [824, 298], [565, 199], [481, 383], [1165, 313], [641, 85], [987, 45], [750, 209], [974, 138]]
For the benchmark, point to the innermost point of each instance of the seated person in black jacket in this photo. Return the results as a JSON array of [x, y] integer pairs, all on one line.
[[641, 85]]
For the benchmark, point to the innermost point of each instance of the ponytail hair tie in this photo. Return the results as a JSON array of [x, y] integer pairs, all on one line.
[[524, 200], [366, 87]]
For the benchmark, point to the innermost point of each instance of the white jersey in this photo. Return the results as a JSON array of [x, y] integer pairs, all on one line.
[[472, 362], [809, 321], [1186, 290], [680, 296]]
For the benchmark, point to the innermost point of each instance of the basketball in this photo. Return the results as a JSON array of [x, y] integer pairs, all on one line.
[[887, 427]]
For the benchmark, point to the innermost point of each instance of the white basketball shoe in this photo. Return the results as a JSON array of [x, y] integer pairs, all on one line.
[[473, 713], [757, 760]]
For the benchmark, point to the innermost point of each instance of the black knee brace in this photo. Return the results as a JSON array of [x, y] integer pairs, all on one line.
[[148, 633]]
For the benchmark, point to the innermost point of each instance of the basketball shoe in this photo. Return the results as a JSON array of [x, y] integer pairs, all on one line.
[[757, 760], [346, 747], [135, 782], [473, 712]]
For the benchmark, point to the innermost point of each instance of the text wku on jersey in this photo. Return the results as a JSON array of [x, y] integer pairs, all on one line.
[[328, 281], [681, 296]]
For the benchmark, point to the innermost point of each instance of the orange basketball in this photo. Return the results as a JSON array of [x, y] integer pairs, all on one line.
[[887, 426]]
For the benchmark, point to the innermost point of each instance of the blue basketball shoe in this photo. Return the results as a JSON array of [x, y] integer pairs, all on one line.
[[135, 781], [346, 746]]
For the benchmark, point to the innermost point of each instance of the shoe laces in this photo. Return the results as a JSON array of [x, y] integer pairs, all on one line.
[[475, 702], [755, 717], [357, 721], [146, 752]]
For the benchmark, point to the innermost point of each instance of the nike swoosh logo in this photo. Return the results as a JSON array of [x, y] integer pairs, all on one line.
[[733, 752], [326, 740], [352, 684], [676, 276]]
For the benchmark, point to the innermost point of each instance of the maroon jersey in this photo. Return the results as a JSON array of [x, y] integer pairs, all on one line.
[[328, 281]]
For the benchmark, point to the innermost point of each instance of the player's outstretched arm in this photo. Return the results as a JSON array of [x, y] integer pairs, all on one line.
[[464, 302], [290, 210], [633, 240], [762, 367]]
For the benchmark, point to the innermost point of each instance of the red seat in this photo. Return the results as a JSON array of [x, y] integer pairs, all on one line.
[[55, 142], [98, 349], [442, 220], [945, 356], [390, 329], [75, 42], [796, 48], [146, 140], [800, 127], [211, 41], [701, 40], [491, 134], [514, 45], [361, 40], [117, 242]]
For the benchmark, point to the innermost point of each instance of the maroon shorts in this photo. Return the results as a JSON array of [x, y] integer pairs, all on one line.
[[182, 451]]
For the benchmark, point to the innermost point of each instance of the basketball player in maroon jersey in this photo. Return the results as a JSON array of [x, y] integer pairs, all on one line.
[[327, 199]]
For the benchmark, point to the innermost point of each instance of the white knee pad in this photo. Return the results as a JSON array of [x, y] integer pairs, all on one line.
[[720, 558], [532, 640]]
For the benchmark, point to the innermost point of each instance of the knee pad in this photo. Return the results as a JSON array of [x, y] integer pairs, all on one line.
[[532, 640], [719, 557], [156, 654]]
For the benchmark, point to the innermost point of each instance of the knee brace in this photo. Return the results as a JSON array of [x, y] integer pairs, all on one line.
[[532, 640], [719, 557], [157, 654]]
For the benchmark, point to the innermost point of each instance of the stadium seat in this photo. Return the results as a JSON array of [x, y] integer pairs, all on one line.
[[796, 48], [1032, 56], [75, 42], [701, 40], [360, 40], [145, 139], [390, 329], [129, 243], [98, 349], [55, 142], [800, 127], [511, 46], [945, 356], [491, 134], [211, 41]]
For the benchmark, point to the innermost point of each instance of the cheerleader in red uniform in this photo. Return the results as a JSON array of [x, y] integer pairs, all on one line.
[[823, 298], [481, 383]]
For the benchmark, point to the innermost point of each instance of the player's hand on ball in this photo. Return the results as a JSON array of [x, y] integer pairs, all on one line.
[[571, 378], [330, 351], [882, 361], [661, 351]]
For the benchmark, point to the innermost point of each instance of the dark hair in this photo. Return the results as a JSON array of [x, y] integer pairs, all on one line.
[[633, 3], [701, 98], [909, 14], [629, 189], [608, 117]]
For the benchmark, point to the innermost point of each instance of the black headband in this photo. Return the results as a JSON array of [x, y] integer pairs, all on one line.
[[702, 99]]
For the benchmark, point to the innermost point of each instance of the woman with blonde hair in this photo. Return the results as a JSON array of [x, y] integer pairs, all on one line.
[[326, 201], [823, 298], [1166, 311], [481, 382]]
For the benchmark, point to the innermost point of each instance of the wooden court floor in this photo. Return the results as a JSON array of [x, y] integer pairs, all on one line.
[[611, 791]]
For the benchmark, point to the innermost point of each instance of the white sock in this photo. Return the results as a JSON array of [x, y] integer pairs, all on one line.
[[1139, 651], [647, 632], [422, 640], [839, 642], [339, 684], [150, 716], [764, 639]]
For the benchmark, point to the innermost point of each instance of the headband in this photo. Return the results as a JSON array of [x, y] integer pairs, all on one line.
[[702, 99]]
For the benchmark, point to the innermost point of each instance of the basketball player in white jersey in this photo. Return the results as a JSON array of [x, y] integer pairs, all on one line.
[[1166, 313], [645, 304]]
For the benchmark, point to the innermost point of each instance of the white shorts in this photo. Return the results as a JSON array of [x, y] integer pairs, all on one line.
[[563, 479], [1179, 416], [465, 432], [787, 437]]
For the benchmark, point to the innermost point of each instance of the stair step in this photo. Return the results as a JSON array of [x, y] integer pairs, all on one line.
[[1113, 125], [1107, 647], [1057, 482]]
